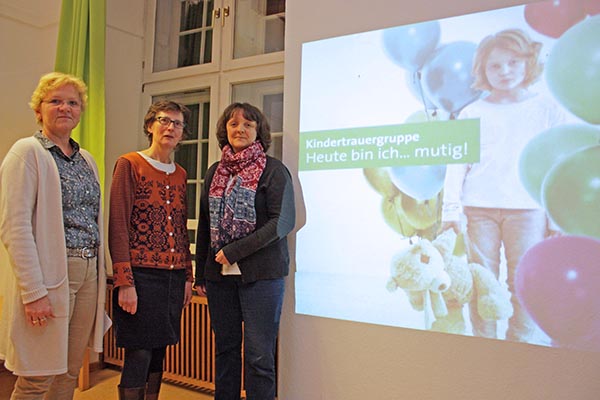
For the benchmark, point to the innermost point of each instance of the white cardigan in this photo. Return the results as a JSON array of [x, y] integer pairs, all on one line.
[[36, 265]]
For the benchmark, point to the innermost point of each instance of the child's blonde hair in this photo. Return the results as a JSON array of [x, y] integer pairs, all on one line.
[[52, 81], [510, 39]]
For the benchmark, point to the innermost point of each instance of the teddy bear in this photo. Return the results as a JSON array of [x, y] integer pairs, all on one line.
[[440, 283]]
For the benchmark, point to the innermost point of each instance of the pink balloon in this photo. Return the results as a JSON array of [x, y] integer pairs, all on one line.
[[592, 7], [554, 17], [558, 282]]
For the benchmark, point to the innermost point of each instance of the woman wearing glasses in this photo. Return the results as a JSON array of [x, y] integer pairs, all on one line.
[[50, 201], [149, 247]]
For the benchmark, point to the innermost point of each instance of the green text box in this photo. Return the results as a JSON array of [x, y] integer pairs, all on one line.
[[426, 143]]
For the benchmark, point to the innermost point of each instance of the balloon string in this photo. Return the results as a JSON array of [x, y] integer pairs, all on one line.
[[417, 76]]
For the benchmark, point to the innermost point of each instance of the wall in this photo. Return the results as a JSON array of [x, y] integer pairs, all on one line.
[[35, 24], [124, 56], [325, 359], [21, 65], [320, 359]]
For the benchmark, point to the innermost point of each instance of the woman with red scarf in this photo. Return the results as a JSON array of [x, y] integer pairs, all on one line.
[[246, 211]]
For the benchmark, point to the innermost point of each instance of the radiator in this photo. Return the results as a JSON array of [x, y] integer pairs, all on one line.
[[191, 362]]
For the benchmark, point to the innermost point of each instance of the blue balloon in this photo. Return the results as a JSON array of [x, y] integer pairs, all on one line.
[[415, 86], [411, 45], [447, 77], [421, 182]]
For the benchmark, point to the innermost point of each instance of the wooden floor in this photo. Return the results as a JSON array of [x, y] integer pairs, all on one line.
[[103, 385]]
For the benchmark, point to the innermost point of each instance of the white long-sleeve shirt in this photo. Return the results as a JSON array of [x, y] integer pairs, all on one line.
[[494, 181]]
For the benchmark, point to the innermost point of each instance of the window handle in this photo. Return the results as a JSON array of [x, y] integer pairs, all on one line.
[[216, 15], [225, 14]]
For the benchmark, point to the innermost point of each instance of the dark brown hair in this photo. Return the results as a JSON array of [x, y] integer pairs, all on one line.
[[251, 113], [165, 105]]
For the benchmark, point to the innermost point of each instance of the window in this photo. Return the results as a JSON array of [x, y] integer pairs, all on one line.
[[183, 33], [268, 96], [207, 54], [259, 27], [187, 33]]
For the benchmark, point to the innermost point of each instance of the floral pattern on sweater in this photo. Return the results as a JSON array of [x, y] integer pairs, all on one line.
[[148, 219]]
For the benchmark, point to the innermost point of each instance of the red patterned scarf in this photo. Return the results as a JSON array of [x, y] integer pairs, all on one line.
[[232, 193]]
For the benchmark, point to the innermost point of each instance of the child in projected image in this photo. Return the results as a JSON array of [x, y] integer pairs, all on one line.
[[499, 212]]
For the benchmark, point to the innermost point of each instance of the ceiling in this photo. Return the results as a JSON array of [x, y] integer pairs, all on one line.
[[32, 12]]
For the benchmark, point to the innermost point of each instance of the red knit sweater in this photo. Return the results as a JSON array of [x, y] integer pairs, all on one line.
[[148, 219]]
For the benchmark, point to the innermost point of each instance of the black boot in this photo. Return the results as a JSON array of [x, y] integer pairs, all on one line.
[[136, 393], [153, 386]]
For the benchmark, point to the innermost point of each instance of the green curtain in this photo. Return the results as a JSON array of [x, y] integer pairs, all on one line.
[[80, 52]]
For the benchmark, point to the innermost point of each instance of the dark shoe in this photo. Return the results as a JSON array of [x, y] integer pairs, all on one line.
[[153, 386], [136, 393]]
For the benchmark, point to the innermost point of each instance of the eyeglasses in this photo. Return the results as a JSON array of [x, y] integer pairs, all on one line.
[[74, 104], [166, 121]]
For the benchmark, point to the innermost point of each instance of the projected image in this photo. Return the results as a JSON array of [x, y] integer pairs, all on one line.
[[451, 176]]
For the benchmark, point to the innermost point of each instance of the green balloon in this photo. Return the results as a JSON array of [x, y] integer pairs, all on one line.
[[571, 193], [550, 147], [573, 69]]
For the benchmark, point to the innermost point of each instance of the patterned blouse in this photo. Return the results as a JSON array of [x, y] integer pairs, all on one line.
[[148, 219], [80, 195]]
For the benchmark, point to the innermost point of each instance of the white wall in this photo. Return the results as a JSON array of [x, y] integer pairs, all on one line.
[[28, 34], [124, 55], [325, 359], [28, 46], [320, 359], [123, 79]]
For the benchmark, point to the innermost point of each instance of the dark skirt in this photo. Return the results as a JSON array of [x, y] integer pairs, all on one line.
[[157, 320]]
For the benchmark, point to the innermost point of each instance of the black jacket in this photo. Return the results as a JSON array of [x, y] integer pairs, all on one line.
[[263, 254]]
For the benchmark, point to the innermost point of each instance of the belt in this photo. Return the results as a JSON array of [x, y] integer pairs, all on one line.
[[83, 252]]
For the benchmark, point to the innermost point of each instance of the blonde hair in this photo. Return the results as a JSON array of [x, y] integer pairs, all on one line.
[[52, 81], [510, 39]]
